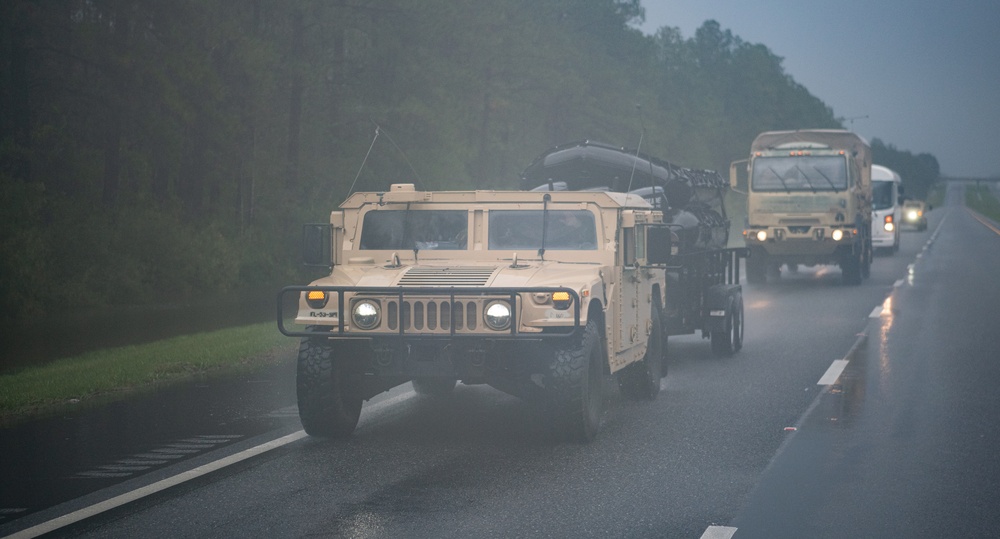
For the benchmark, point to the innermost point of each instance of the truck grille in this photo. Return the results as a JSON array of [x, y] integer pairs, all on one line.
[[424, 276]]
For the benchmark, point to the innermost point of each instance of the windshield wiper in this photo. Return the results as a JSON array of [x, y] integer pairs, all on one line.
[[828, 180], [780, 179]]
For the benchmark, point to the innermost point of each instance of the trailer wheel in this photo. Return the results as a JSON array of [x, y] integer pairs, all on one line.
[[575, 386], [328, 389], [641, 380], [436, 387], [729, 340]]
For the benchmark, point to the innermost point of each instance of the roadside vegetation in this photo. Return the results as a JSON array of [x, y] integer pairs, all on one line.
[[981, 199], [153, 152], [156, 151], [114, 373]]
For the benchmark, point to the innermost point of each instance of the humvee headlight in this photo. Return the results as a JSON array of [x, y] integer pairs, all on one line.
[[912, 215], [761, 235], [497, 315], [316, 299], [365, 314], [561, 300], [837, 235]]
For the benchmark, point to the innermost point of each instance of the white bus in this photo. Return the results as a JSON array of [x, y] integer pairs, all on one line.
[[887, 213]]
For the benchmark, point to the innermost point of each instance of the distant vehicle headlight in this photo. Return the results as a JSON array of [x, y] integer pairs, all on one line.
[[365, 314], [912, 215], [761, 235], [837, 235], [497, 315]]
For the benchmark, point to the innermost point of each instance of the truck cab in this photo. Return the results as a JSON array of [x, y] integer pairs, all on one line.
[[809, 202]]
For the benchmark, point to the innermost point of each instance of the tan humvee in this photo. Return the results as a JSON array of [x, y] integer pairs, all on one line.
[[539, 294]]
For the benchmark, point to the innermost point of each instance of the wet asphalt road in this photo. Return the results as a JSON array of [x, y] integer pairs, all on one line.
[[900, 446]]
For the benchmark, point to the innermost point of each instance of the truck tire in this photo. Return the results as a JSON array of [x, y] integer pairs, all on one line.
[[729, 340], [575, 386], [866, 267], [850, 266], [435, 387], [641, 380], [328, 389], [756, 267]]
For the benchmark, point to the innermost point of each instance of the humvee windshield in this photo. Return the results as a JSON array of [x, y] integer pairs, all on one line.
[[415, 229], [522, 229], [805, 173]]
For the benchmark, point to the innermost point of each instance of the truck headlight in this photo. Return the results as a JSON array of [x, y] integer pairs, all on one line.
[[761, 235], [365, 314], [912, 215], [497, 315], [837, 234]]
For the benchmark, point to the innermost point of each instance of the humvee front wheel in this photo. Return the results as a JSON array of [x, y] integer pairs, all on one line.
[[575, 386], [328, 388]]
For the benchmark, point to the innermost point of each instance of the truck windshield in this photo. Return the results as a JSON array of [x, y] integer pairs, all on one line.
[[804, 173], [415, 229], [882, 195], [522, 229]]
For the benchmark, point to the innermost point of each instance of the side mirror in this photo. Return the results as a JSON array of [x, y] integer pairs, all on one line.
[[316, 245], [659, 244], [734, 175]]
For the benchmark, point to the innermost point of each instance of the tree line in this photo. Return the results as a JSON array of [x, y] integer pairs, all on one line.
[[155, 150]]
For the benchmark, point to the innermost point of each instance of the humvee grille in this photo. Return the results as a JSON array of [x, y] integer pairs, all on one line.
[[424, 276], [432, 315]]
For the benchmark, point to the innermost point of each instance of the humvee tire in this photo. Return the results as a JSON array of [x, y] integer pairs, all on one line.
[[575, 386], [328, 390]]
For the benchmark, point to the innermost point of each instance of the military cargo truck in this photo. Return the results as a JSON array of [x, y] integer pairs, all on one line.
[[809, 202], [542, 295]]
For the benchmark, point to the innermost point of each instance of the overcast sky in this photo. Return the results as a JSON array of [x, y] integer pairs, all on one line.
[[923, 76]]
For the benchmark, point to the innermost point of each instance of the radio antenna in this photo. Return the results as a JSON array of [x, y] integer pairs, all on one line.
[[363, 161]]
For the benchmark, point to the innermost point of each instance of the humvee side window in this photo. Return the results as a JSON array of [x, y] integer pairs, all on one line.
[[522, 229], [415, 229]]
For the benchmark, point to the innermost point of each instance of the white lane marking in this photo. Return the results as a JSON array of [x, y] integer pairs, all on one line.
[[158, 486], [876, 312], [123, 499], [898, 283], [833, 372], [718, 532]]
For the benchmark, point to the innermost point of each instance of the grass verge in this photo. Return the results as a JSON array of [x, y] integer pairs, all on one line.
[[981, 199], [117, 372]]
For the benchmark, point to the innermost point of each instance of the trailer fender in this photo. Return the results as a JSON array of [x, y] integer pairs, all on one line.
[[718, 302]]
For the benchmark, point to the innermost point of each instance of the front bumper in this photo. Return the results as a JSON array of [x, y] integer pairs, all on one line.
[[429, 313]]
